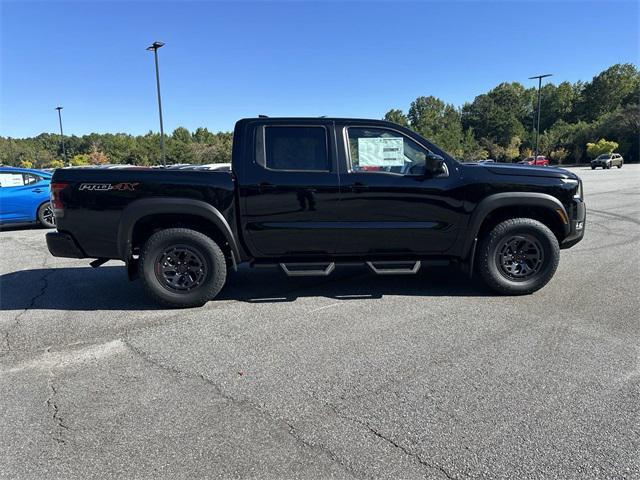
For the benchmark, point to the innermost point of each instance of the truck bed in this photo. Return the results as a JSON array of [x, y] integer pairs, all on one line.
[[96, 199]]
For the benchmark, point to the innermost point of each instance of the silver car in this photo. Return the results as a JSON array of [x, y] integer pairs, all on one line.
[[607, 160]]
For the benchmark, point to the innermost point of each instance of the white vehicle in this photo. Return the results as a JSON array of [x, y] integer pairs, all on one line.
[[607, 160]]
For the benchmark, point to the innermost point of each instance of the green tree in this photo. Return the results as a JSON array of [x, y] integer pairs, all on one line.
[[80, 159], [439, 122], [557, 103], [498, 115], [397, 116], [608, 90], [622, 126], [600, 147], [181, 134]]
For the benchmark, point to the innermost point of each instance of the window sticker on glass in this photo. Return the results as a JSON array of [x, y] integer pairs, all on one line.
[[381, 152], [11, 180]]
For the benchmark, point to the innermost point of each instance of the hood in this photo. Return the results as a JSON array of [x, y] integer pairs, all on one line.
[[528, 171]]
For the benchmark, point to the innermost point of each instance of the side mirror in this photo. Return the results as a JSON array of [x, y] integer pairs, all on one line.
[[435, 166]]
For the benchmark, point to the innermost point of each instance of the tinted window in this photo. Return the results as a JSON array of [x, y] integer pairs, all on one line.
[[296, 148]]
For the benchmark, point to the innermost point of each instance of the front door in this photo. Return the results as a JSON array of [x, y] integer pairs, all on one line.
[[290, 191], [392, 200]]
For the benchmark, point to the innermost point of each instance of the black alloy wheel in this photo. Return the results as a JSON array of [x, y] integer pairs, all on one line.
[[180, 268], [46, 216], [520, 257]]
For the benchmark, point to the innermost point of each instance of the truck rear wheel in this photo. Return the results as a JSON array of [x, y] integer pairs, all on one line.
[[518, 256], [182, 268]]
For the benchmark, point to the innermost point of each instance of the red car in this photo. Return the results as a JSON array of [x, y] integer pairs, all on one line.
[[540, 160]]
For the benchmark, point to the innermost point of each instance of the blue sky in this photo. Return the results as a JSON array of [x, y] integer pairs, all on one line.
[[223, 61]]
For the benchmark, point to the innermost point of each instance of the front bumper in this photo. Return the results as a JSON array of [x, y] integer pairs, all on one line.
[[62, 244], [576, 225]]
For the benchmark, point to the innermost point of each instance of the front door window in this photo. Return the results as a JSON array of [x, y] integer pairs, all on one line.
[[384, 150]]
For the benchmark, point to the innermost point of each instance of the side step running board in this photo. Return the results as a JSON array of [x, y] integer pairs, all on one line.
[[298, 270], [391, 268]]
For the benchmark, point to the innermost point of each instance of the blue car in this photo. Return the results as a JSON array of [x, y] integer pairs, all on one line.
[[24, 197]]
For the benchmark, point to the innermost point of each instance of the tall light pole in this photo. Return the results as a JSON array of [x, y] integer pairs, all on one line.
[[154, 47], [64, 153], [539, 77]]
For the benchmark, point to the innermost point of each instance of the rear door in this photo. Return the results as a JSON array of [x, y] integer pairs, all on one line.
[[289, 188], [19, 195], [391, 203]]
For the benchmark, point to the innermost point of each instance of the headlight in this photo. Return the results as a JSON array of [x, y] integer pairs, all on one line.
[[573, 181]]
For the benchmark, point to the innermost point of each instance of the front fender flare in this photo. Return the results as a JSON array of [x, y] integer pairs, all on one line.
[[169, 205], [509, 199]]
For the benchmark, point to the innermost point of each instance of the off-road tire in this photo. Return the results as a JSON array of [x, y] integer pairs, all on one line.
[[150, 267], [488, 256], [45, 216]]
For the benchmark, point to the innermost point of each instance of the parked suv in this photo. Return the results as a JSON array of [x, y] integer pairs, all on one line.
[[540, 160], [607, 160]]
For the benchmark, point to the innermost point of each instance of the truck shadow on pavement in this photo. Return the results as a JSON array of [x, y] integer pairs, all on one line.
[[349, 283], [107, 287]]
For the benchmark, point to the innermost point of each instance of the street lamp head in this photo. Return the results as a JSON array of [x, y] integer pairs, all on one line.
[[58, 108], [155, 46], [541, 76]]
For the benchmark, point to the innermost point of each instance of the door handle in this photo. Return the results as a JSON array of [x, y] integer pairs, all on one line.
[[37, 190], [359, 187], [265, 187]]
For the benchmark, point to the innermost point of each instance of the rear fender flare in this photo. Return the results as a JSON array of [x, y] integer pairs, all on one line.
[[511, 199], [168, 205]]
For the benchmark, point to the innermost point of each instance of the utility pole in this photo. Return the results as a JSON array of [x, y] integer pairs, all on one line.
[[154, 47], [539, 77], [64, 153]]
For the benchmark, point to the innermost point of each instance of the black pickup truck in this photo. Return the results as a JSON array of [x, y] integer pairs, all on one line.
[[309, 194]]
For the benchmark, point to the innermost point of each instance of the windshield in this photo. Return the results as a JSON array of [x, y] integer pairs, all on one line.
[[604, 156]]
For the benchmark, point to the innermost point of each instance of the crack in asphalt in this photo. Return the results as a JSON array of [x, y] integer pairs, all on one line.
[[16, 320], [291, 429], [59, 423], [392, 442], [52, 406]]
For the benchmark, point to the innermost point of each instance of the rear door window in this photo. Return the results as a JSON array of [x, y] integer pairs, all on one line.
[[30, 178], [293, 148]]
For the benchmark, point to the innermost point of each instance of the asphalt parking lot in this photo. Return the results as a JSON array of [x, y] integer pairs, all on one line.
[[354, 376]]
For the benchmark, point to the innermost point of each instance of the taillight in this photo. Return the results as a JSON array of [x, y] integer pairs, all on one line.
[[56, 201]]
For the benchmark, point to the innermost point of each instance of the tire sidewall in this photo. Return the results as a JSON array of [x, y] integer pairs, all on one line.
[[200, 243]]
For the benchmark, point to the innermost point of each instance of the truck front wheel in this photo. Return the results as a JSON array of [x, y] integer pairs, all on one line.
[[182, 268], [518, 256]]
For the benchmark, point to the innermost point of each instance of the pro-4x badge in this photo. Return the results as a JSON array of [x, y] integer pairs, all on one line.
[[105, 187]]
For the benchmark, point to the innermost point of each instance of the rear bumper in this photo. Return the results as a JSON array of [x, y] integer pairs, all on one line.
[[577, 226], [62, 244]]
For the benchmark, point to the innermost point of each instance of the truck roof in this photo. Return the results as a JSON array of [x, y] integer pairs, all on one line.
[[317, 119]]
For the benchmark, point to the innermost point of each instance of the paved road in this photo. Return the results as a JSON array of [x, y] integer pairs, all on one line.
[[357, 376]]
